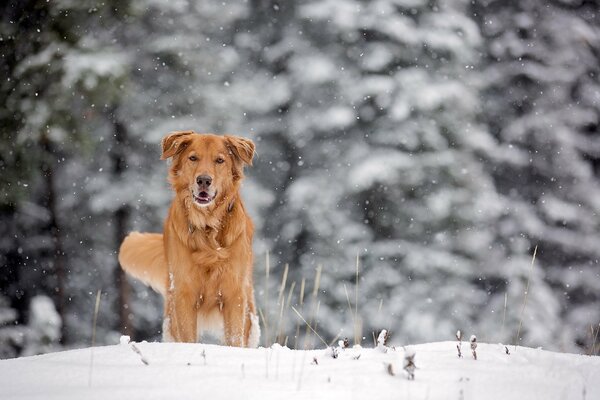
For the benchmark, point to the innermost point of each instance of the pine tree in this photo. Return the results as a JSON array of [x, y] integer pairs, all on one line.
[[540, 86], [384, 154], [37, 128]]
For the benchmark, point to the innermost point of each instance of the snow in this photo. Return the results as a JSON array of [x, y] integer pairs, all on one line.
[[44, 319], [192, 371]]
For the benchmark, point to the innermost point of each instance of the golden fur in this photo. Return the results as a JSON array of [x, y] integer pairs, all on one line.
[[202, 263]]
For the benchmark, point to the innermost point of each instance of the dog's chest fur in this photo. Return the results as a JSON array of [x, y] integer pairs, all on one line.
[[213, 268]]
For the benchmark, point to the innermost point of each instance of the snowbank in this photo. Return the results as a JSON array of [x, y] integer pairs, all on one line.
[[193, 371]]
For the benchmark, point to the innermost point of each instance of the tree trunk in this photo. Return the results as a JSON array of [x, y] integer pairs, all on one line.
[[121, 218], [58, 256]]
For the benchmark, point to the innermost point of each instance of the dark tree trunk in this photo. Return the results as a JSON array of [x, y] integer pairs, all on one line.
[[56, 233], [121, 218]]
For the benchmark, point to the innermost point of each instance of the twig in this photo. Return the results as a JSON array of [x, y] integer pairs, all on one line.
[[474, 346], [525, 299], [95, 320], [390, 369], [382, 340], [139, 352], [409, 363]]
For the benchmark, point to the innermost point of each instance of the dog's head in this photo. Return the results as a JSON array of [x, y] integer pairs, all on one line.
[[208, 168]]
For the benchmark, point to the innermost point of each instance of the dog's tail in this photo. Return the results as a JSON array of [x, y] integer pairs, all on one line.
[[142, 255]]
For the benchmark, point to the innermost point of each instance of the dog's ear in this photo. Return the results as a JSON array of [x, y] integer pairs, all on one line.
[[174, 143], [241, 147]]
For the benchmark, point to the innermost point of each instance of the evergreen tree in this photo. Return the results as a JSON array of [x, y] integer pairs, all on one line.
[[540, 91], [38, 131], [383, 155]]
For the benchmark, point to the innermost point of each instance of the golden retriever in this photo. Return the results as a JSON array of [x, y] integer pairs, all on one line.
[[202, 263]]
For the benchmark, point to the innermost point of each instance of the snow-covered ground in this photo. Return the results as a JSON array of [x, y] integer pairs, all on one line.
[[198, 371]]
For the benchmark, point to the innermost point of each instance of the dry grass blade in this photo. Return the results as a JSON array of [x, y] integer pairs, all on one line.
[[315, 293], [285, 305], [95, 320], [315, 319], [281, 302], [317, 281], [525, 299], [302, 288], [308, 326], [357, 334], [351, 312], [289, 298], [283, 284], [504, 315], [264, 317], [595, 336], [332, 343]]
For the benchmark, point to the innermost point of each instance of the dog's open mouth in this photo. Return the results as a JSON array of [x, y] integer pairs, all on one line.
[[203, 198]]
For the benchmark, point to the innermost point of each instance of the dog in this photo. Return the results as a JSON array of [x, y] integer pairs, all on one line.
[[202, 262]]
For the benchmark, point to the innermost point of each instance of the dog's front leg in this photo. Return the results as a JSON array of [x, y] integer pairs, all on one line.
[[181, 316], [234, 312]]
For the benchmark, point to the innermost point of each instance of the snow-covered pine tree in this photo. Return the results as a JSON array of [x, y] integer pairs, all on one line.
[[39, 131], [540, 93], [379, 154], [412, 169]]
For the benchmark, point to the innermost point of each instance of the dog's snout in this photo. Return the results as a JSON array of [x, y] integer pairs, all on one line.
[[204, 180]]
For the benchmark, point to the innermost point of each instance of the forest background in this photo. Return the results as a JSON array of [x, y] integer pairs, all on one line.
[[431, 145]]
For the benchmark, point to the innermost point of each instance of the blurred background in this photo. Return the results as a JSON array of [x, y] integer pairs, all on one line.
[[411, 156]]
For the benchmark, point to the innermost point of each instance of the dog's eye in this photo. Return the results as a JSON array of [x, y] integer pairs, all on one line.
[[220, 160], [193, 158]]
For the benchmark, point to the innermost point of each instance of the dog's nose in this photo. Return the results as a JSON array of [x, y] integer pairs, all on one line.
[[204, 180]]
